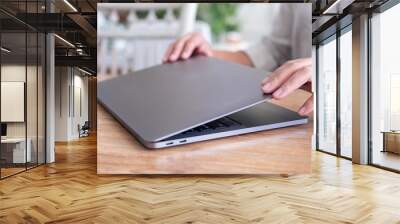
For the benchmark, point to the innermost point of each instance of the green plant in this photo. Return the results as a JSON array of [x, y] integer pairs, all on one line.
[[220, 16]]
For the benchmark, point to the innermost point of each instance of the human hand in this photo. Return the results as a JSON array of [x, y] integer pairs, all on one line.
[[294, 74], [187, 46]]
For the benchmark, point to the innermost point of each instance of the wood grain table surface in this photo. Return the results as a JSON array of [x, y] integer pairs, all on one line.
[[279, 151]]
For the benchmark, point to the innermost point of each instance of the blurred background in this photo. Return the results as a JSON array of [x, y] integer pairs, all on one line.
[[135, 36]]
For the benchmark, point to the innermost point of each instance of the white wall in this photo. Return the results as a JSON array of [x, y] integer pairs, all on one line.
[[62, 81], [12, 100], [80, 109], [10, 73], [70, 84], [33, 126], [14, 73], [82, 82]]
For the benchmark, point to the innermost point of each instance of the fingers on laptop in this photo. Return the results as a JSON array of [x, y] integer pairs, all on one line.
[[293, 82], [287, 78], [186, 46], [307, 107], [205, 49]]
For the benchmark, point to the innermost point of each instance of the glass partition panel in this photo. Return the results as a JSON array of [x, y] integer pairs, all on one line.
[[22, 61], [14, 153], [327, 96]]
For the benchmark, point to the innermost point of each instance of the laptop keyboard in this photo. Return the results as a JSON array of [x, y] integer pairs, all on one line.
[[222, 124]]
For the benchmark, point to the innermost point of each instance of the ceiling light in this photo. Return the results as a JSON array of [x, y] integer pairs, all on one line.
[[65, 41], [70, 5], [84, 71], [79, 51], [5, 50]]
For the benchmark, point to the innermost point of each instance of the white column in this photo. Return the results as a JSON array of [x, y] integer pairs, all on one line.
[[63, 103], [360, 90], [50, 99]]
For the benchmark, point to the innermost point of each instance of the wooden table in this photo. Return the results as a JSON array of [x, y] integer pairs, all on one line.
[[391, 141], [280, 151]]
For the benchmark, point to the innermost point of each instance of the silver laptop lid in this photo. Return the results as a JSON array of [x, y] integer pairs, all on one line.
[[164, 100]]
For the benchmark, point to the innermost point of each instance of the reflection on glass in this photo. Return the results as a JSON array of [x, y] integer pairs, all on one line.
[[346, 94], [327, 97], [385, 114]]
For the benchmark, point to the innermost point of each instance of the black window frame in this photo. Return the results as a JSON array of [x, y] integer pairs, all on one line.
[[30, 29], [342, 26]]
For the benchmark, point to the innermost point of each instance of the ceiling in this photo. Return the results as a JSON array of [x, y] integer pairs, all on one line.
[[331, 15], [76, 21]]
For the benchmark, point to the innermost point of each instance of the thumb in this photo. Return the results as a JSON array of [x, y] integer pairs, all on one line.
[[307, 107]]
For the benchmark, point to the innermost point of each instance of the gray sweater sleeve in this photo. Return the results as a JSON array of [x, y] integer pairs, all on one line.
[[287, 40]]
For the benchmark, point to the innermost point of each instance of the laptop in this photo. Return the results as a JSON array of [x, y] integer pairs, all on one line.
[[193, 100]]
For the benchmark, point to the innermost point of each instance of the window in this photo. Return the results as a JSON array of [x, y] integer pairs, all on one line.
[[346, 93], [333, 137], [327, 96], [385, 89]]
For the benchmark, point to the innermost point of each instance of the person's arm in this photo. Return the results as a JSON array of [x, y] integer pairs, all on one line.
[[280, 83], [286, 52]]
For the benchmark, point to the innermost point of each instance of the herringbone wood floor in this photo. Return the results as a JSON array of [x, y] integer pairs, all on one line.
[[69, 191]]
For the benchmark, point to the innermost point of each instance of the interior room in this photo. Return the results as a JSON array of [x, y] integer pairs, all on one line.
[[25, 67], [53, 53], [23, 99]]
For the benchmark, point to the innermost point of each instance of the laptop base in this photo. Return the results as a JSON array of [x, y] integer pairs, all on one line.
[[264, 116]]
